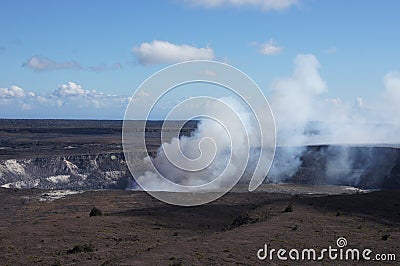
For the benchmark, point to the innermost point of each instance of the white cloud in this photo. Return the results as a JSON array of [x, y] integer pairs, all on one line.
[[160, 52], [69, 100], [13, 92], [13, 97], [265, 5], [38, 63], [70, 89], [336, 100], [269, 48]]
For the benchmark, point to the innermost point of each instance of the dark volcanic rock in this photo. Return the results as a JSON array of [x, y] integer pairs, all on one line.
[[366, 167]]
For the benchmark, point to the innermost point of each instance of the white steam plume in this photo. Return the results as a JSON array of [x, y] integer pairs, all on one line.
[[298, 101], [210, 137], [294, 104], [303, 117]]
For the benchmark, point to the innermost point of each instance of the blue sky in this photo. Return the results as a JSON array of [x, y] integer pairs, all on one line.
[[54, 54]]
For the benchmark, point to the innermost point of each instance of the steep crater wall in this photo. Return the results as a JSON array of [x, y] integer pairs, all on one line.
[[101, 171], [362, 167]]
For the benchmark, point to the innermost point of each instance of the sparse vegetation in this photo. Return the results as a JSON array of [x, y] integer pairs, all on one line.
[[81, 249], [241, 220], [177, 263], [289, 208], [95, 212]]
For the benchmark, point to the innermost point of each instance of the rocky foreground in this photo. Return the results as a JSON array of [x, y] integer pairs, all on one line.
[[131, 228]]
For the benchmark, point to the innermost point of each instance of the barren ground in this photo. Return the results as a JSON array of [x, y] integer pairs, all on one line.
[[139, 230]]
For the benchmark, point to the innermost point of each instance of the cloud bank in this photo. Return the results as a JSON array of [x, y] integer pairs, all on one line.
[[12, 92], [38, 63], [161, 52], [68, 100]]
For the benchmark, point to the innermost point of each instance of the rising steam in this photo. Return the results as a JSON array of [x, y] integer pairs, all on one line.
[[217, 151], [304, 117]]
